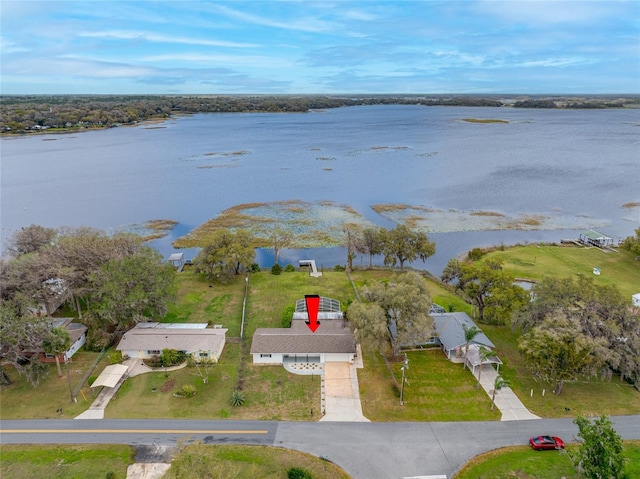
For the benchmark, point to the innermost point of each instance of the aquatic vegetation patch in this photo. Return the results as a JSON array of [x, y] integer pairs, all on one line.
[[224, 165], [633, 204], [433, 220], [378, 149], [485, 213], [484, 120], [149, 230], [225, 155], [228, 153], [310, 225]]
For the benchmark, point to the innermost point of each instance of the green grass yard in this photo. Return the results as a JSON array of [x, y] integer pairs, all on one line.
[[436, 390], [65, 462], [536, 261], [584, 397], [22, 401], [196, 461], [200, 461], [523, 463]]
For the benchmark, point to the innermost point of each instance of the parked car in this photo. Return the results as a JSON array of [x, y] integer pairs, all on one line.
[[540, 443]]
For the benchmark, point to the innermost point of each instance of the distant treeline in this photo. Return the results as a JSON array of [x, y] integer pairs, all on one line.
[[33, 113]]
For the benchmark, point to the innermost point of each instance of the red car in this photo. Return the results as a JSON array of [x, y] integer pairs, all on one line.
[[540, 443]]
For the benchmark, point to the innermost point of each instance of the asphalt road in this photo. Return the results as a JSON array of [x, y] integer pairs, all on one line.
[[363, 450]]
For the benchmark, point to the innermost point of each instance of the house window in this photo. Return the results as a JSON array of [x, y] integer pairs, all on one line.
[[49, 356], [154, 352], [265, 355], [203, 355]]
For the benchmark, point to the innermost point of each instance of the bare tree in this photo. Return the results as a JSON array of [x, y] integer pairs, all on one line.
[[30, 239], [280, 239]]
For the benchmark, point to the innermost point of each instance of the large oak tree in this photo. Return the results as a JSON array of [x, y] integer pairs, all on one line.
[[401, 245], [488, 287], [404, 300], [225, 255]]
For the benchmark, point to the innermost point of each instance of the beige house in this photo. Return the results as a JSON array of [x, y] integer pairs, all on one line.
[[195, 339]]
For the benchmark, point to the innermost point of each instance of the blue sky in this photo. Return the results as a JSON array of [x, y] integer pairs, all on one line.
[[328, 46]]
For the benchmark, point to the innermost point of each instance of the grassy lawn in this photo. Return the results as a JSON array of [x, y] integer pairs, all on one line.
[[22, 401], [199, 461], [65, 462], [436, 390], [269, 294], [270, 393], [202, 302], [524, 463], [196, 461], [536, 261], [583, 397]]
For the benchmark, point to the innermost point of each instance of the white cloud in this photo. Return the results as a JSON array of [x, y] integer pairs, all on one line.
[[304, 24], [158, 38], [249, 60], [7, 46]]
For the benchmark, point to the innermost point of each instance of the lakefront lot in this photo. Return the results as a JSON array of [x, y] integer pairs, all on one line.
[[438, 390]]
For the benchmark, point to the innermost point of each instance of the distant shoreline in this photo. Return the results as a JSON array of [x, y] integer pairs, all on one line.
[[37, 114]]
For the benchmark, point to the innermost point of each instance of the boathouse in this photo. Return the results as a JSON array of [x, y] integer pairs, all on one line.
[[593, 238]]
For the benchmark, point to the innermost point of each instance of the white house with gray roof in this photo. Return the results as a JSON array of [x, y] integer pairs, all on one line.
[[332, 341], [146, 340], [450, 333]]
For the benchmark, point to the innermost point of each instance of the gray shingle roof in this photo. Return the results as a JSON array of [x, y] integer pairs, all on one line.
[[451, 334], [331, 337]]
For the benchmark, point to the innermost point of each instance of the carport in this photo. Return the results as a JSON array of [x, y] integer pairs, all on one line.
[[473, 358], [110, 376]]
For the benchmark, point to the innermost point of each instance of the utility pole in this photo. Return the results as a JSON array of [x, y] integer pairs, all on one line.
[[405, 366]]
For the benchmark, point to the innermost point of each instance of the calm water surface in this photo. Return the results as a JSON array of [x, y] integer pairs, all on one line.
[[191, 168]]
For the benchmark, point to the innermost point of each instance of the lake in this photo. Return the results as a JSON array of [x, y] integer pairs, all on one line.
[[576, 168]]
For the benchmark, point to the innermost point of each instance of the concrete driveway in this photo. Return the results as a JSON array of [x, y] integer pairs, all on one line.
[[341, 393]]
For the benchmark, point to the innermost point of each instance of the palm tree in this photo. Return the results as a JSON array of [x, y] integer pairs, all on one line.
[[470, 332], [498, 384], [484, 353], [56, 343]]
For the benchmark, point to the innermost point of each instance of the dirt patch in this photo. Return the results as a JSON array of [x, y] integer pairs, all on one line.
[[168, 385]]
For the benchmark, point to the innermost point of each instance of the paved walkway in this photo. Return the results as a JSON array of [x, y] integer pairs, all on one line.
[[506, 401]]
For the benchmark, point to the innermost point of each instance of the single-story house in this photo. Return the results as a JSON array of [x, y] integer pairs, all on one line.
[[146, 340], [450, 333], [77, 333], [332, 341]]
